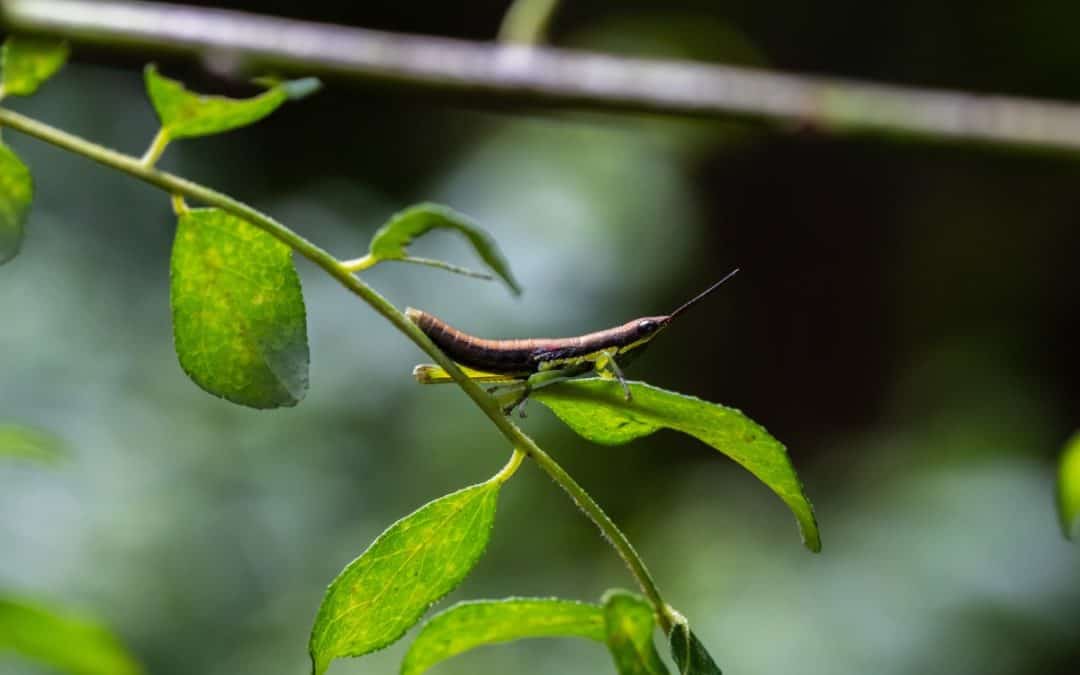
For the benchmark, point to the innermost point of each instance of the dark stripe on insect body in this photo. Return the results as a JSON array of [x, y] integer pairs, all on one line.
[[520, 358], [529, 355]]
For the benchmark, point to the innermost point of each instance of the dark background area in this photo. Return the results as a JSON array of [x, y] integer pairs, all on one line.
[[905, 322]]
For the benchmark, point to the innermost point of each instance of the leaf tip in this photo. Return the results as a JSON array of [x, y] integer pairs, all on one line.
[[811, 535], [301, 88], [150, 73]]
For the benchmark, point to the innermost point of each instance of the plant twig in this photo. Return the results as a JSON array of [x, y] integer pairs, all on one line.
[[548, 77], [175, 185]]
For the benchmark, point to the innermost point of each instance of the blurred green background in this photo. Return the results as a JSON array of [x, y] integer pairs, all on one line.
[[905, 321]]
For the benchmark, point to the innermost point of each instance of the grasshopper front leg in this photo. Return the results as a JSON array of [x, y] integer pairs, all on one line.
[[606, 366]]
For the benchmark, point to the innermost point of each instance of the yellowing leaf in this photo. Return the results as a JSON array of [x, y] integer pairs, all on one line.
[[185, 114], [239, 321], [629, 622], [418, 560], [16, 193], [468, 625], [596, 409], [26, 62]]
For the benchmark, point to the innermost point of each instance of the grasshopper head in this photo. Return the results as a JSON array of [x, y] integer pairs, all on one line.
[[648, 326]]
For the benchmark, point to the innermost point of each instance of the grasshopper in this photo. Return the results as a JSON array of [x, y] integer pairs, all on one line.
[[525, 365]]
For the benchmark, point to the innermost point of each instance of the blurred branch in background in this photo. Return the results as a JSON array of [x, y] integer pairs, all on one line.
[[542, 76]]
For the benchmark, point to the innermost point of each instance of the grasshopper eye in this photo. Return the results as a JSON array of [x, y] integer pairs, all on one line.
[[647, 325]]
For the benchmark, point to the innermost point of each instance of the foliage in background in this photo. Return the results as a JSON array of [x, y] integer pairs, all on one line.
[[23, 442], [1069, 486], [48, 635], [55, 638]]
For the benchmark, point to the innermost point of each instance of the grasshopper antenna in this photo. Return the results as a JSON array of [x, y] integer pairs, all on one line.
[[703, 294]]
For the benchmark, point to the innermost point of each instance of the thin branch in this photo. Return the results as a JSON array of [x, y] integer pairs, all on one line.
[[551, 77], [175, 185]]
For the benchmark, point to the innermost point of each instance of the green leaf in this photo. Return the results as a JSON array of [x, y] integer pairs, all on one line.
[[1069, 486], [26, 443], [630, 624], [418, 560], [185, 114], [27, 62], [392, 240], [238, 312], [16, 192], [596, 409], [57, 639], [468, 625], [690, 655]]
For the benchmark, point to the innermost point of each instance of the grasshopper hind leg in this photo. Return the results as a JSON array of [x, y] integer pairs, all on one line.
[[518, 403], [535, 381]]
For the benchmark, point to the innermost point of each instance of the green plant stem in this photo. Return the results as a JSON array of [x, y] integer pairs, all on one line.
[[175, 185], [157, 147], [527, 21], [360, 264], [368, 261]]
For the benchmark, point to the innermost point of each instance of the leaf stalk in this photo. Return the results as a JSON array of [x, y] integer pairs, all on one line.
[[157, 147]]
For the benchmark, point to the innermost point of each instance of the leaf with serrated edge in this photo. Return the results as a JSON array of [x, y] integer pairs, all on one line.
[[185, 114], [26, 62], [597, 409], [416, 561], [16, 193], [1068, 492], [23, 442], [57, 639], [472, 624], [629, 621], [239, 321], [392, 240], [690, 655]]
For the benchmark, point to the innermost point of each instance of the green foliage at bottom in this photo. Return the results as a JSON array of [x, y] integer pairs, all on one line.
[[416, 561], [69, 644], [474, 624], [630, 625]]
